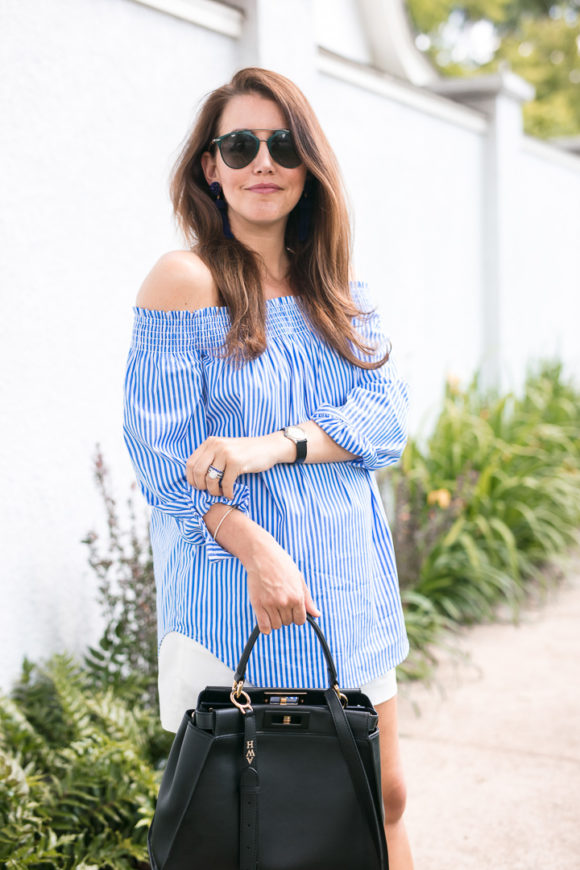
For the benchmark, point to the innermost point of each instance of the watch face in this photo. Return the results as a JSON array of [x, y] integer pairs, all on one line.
[[296, 432]]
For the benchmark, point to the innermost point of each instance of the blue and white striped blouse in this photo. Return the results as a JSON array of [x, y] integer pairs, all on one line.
[[328, 516]]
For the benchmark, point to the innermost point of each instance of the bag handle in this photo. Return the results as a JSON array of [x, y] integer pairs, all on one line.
[[240, 674]]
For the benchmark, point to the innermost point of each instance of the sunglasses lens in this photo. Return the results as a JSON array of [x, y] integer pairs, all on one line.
[[283, 150], [238, 150]]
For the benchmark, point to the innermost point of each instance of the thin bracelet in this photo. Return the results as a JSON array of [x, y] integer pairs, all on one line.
[[221, 521]]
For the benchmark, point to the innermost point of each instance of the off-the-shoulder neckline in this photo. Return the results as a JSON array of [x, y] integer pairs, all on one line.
[[207, 308], [278, 300]]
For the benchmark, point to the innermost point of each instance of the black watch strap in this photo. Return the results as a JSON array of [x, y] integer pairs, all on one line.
[[301, 443], [300, 451]]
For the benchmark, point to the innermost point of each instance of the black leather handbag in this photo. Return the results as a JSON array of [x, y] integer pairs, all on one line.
[[272, 779]]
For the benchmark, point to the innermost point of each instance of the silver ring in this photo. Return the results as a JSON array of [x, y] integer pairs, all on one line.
[[214, 473]]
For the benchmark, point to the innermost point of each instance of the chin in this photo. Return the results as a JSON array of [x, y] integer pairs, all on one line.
[[262, 218]]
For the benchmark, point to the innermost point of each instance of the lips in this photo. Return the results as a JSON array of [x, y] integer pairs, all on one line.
[[264, 188]]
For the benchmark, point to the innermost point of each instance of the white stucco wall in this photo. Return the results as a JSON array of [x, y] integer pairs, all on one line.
[[542, 307], [414, 182], [339, 27], [100, 95], [97, 96]]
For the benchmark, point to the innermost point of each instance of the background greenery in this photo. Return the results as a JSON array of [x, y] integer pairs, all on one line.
[[476, 513], [536, 39]]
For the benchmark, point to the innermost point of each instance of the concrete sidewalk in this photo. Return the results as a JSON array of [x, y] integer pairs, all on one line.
[[492, 761]]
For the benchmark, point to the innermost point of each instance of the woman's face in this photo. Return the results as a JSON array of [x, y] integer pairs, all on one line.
[[248, 205]]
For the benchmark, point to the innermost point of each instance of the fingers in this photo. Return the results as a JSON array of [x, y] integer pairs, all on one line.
[[287, 615], [311, 607], [275, 619], [213, 485], [292, 614], [227, 481], [197, 469], [263, 619], [299, 615], [192, 473], [279, 597], [225, 454], [294, 611], [296, 615]]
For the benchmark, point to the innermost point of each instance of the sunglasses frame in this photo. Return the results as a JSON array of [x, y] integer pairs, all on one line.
[[218, 141]]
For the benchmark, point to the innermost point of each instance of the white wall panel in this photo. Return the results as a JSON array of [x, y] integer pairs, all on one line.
[[96, 97], [414, 183]]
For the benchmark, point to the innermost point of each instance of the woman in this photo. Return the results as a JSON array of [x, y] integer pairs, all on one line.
[[254, 329]]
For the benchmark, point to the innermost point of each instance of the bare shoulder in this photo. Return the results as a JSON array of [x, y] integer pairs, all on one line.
[[179, 280]]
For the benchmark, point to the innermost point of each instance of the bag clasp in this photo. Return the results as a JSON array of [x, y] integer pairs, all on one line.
[[237, 691]]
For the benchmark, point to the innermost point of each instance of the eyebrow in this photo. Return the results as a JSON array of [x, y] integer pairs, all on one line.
[[257, 129]]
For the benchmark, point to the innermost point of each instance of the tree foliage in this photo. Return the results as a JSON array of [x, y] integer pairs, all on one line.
[[536, 39]]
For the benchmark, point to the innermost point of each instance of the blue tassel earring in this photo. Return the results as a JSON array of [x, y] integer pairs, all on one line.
[[216, 190], [305, 210]]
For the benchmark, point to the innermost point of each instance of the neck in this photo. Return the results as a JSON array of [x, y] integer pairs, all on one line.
[[267, 240]]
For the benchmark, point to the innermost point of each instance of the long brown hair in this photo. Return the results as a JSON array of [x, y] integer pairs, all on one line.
[[319, 267]]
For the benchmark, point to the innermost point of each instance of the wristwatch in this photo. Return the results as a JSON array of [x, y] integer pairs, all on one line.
[[298, 436]]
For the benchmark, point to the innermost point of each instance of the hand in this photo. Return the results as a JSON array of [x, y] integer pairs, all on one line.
[[233, 456], [277, 589]]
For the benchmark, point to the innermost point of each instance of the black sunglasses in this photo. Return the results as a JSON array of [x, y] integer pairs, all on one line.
[[239, 148]]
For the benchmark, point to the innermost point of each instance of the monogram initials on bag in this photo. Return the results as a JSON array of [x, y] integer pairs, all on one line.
[[250, 754]]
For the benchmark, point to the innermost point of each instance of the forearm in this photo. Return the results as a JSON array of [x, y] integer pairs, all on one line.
[[238, 534], [321, 447]]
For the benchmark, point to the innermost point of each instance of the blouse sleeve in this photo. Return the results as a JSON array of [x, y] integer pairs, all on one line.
[[164, 421], [372, 422]]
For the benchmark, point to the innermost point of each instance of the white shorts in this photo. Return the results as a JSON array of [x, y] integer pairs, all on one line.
[[186, 668]]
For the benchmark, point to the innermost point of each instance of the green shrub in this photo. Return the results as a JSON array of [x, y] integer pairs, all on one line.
[[481, 510], [80, 771], [81, 746], [126, 655]]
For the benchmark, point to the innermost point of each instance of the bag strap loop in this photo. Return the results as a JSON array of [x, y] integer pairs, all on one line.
[[359, 776], [332, 674]]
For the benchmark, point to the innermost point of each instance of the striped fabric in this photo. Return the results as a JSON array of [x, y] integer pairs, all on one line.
[[328, 516]]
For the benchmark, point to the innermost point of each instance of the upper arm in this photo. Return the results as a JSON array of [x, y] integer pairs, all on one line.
[[178, 280]]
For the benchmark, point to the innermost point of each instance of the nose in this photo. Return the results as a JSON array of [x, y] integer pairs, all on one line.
[[263, 161]]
